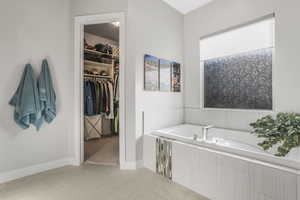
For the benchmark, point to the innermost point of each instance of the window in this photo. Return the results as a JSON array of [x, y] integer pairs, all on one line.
[[236, 67]]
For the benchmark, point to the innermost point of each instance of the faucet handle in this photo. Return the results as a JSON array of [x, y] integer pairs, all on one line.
[[209, 126]]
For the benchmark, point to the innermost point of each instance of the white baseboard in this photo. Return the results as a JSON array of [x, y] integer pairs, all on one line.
[[139, 164], [19, 173], [132, 165]]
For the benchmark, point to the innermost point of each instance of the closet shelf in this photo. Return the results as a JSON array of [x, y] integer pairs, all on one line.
[[88, 62], [96, 76], [99, 53]]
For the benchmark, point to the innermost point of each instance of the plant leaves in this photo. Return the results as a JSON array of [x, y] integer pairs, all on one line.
[[284, 128]]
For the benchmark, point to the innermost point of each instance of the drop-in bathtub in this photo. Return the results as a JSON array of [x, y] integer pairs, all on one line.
[[227, 156]]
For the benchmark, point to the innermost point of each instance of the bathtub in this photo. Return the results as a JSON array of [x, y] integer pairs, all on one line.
[[231, 141], [227, 165]]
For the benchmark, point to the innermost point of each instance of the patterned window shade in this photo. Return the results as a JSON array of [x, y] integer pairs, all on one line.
[[237, 67]]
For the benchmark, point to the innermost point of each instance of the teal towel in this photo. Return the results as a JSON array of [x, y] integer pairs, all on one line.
[[26, 101], [47, 94]]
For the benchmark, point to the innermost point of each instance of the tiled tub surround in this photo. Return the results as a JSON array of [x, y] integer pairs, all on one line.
[[229, 166]]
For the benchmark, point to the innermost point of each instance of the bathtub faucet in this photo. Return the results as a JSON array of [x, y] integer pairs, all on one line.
[[205, 131]]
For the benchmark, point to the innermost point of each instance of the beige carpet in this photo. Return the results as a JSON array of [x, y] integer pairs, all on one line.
[[91, 182], [104, 151]]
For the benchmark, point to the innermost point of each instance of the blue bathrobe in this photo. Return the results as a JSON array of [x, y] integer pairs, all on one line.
[[46, 94], [26, 101]]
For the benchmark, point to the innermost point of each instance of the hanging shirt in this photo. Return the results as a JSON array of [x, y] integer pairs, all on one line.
[[89, 105], [111, 102]]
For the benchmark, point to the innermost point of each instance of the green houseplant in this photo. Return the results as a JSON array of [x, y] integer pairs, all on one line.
[[283, 130]]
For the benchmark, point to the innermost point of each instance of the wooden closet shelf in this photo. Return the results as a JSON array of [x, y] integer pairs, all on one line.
[[99, 53], [88, 62]]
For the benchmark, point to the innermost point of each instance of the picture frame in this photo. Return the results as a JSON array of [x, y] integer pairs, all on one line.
[[175, 77], [165, 75], [151, 73]]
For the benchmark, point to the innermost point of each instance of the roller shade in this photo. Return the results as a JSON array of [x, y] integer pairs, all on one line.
[[258, 35]]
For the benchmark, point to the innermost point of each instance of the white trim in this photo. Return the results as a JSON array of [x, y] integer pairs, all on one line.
[[140, 164], [80, 21], [20, 173], [128, 166], [298, 187], [102, 163], [133, 165]]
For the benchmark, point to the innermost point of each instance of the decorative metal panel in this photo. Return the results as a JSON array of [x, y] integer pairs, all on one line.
[[242, 81], [164, 158]]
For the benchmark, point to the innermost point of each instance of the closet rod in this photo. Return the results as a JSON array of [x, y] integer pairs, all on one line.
[[96, 76]]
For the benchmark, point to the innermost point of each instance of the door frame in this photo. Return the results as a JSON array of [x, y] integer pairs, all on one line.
[[80, 22]]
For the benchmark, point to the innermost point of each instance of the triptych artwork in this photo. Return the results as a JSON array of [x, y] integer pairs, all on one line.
[[161, 75]]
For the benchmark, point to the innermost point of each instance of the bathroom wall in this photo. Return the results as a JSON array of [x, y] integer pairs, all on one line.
[[90, 7], [220, 15], [153, 28], [31, 31], [87, 7]]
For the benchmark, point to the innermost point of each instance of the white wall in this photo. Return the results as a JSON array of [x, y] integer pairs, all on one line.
[[86, 7], [31, 31], [220, 15], [45, 29], [153, 28]]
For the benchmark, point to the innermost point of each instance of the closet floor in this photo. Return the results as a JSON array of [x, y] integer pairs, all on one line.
[[104, 151]]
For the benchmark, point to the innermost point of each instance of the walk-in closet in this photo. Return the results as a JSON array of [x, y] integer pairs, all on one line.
[[101, 93]]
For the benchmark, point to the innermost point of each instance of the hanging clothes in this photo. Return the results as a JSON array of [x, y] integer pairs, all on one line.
[[88, 99], [98, 96], [115, 123], [111, 102], [116, 86]]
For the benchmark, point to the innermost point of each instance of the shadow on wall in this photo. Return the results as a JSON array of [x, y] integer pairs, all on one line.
[[155, 119], [162, 118], [230, 119]]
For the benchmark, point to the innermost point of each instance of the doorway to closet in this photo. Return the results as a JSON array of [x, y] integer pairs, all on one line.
[[99, 89], [101, 93]]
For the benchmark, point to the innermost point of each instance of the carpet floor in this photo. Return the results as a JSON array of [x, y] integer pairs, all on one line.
[[91, 182]]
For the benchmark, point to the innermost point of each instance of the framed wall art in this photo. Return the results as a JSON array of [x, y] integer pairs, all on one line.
[[151, 73], [176, 77], [164, 75]]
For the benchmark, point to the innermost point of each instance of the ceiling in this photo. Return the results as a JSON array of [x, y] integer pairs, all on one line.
[[107, 30], [111, 31], [186, 6]]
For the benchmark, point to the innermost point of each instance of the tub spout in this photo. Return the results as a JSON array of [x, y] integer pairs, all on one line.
[[205, 131]]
